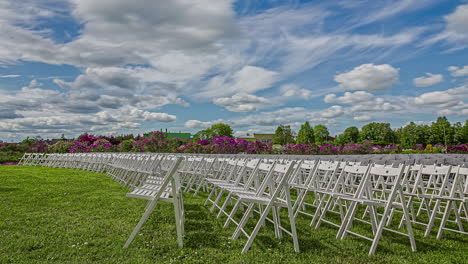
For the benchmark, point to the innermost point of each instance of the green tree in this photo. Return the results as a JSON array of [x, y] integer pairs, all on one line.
[[306, 134], [351, 134], [460, 133], [283, 135], [378, 133], [441, 132], [219, 129], [321, 134], [413, 134]]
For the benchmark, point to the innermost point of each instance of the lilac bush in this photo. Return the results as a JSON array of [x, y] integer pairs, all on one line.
[[100, 145], [61, 147], [158, 142], [463, 148]]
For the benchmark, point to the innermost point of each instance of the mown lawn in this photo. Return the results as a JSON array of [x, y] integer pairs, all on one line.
[[70, 216]]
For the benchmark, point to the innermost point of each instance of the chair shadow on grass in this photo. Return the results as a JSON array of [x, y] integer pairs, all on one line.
[[200, 228], [4, 189]]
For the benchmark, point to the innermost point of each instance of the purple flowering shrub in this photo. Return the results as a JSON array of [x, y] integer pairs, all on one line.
[[100, 145], [463, 148], [225, 145], [418, 147], [156, 142], [300, 149], [91, 143], [61, 147]]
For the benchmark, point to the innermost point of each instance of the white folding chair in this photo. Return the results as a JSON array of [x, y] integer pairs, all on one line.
[[168, 190]]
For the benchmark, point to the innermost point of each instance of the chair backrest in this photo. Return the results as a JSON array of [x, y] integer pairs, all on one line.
[[325, 175], [352, 180], [382, 181]]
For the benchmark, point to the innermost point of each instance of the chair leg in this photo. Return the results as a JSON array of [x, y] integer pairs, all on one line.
[[324, 212], [292, 221], [228, 198], [231, 215], [256, 229], [244, 220], [347, 221], [378, 233], [318, 211], [409, 227], [432, 218], [178, 216], [444, 219], [143, 219]]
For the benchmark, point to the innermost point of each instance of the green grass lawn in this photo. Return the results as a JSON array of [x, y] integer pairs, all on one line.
[[71, 216]]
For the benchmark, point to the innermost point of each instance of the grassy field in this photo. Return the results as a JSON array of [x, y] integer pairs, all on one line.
[[70, 216]]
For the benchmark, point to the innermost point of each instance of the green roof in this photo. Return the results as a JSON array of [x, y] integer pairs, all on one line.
[[264, 136], [179, 135]]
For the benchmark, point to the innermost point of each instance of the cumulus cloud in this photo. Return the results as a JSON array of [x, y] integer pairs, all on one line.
[[201, 124], [243, 102], [458, 71], [139, 56], [428, 80], [445, 98], [376, 105], [349, 97], [249, 79], [363, 118], [128, 114], [294, 91], [333, 111], [369, 77]]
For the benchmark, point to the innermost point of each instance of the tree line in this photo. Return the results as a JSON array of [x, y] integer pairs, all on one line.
[[439, 132]]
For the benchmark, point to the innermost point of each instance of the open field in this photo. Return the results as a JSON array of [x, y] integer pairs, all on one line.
[[52, 215]]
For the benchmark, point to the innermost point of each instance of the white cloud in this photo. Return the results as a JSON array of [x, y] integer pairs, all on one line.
[[448, 112], [243, 102], [363, 118], [138, 56], [445, 98], [456, 29], [332, 112], [294, 91], [457, 71], [428, 80], [129, 114], [249, 79], [377, 105], [368, 77], [198, 124], [10, 76], [349, 97]]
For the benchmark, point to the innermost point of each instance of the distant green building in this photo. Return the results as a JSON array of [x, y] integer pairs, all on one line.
[[186, 136], [264, 138], [179, 135]]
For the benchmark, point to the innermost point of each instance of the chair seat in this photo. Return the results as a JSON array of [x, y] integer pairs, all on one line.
[[147, 194], [253, 198]]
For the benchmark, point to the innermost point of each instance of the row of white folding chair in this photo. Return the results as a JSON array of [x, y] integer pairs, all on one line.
[[370, 187], [96, 162], [132, 170], [430, 188], [31, 159], [433, 194], [256, 183]]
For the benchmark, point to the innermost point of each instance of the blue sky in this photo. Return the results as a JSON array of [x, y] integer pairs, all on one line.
[[117, 66]]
